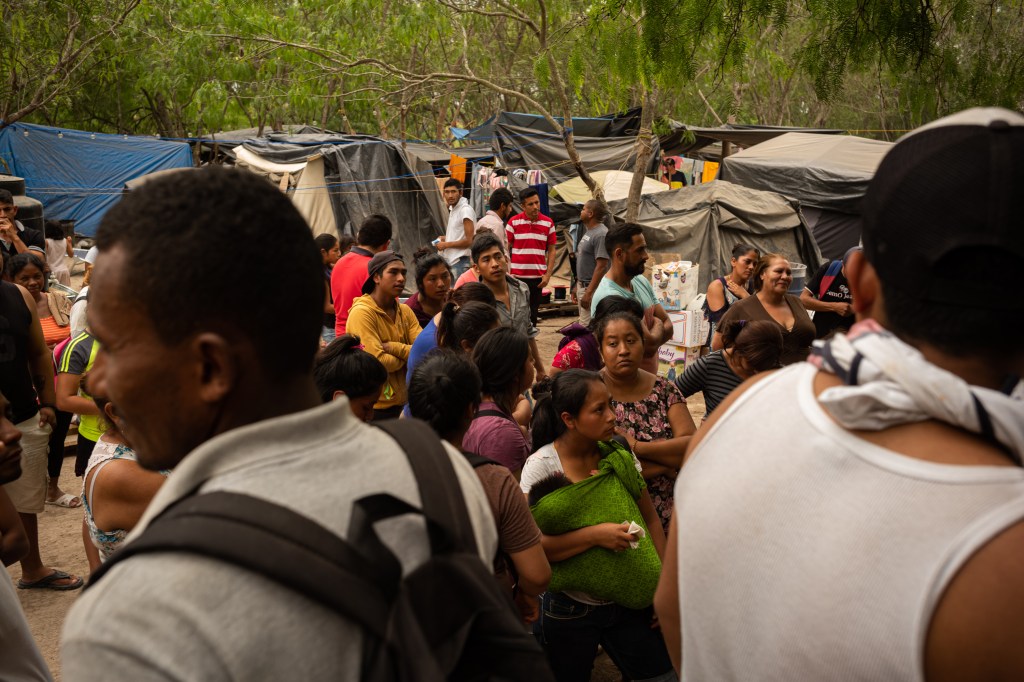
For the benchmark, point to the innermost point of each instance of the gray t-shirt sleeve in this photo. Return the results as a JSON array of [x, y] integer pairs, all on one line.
[[599, 249]]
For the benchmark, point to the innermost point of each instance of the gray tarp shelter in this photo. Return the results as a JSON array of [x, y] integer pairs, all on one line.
[[703, 223], [624, 124], [828, 174], [364, 175], [526, 148], [439, 155], [686, 140]]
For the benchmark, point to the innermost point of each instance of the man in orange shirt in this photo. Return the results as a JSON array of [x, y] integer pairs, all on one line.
[[349, 273]]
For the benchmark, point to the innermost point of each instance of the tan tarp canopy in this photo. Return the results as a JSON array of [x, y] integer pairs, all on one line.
[[703, 223], [614, 183], [303, 181]]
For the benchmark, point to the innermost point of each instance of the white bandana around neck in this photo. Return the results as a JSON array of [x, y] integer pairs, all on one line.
[[889, 382]]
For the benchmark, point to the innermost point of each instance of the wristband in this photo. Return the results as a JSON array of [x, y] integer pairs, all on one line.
[[52, 407]]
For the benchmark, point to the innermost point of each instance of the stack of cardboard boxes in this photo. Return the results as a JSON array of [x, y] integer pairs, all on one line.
[[675, 284]]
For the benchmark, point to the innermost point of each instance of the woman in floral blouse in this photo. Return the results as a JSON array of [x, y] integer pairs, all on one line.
[[650, 412]]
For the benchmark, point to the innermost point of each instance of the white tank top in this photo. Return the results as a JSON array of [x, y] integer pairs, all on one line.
[[808, 554]]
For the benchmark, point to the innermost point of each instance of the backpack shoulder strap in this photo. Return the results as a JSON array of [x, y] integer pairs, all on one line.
[[270, 540], [441, 495]]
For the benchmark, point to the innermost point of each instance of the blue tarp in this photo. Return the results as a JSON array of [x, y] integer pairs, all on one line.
[[79, 175]]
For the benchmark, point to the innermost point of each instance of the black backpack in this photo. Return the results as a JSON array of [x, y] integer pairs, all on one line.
[[448, 619]]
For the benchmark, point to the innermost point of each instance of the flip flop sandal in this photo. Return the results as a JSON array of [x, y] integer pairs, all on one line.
[[47, 583], [67, 500]]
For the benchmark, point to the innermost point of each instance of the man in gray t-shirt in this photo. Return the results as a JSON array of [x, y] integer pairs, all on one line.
[[224, 396], [591, 256]]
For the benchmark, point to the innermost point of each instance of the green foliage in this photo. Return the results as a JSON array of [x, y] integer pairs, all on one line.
[[192, 67]]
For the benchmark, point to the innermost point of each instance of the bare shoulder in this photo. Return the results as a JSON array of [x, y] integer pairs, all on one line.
[[978, 624]]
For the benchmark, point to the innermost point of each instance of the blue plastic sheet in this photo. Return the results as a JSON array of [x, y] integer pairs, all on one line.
[[78, 175]]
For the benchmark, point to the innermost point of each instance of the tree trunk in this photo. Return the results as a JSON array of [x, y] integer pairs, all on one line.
[[568, 136], [326, 111], [643, 149], [349, 130], [381, 123]]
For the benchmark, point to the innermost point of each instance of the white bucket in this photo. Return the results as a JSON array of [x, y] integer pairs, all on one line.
[[799, 278]]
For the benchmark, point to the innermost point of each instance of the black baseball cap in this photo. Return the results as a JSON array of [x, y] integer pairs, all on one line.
[[944, 214], [375, 265]]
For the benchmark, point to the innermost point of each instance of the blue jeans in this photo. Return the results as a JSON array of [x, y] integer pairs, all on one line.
[[570, 632], [459, 267]]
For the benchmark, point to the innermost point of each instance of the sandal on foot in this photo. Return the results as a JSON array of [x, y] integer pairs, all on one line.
[[66, 500], [49, 582]]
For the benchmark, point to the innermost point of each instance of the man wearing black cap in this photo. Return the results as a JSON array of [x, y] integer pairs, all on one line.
[[877, 529], [386, 328]]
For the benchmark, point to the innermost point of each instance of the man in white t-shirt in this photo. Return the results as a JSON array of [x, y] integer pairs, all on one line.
[[458, 235], [861, 516]]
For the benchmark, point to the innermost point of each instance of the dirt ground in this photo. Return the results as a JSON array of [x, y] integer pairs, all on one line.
[[60, 535]]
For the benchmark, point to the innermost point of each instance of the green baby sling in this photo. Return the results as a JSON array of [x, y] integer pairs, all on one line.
[[629, 577]]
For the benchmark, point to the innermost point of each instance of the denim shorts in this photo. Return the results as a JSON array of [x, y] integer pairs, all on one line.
[[570, 632], [459, 267]]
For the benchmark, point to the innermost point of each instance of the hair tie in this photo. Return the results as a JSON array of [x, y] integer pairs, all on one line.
[[359, 346]]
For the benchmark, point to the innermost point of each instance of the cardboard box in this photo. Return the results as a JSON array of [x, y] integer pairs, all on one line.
[[675, 284], [673, 359], [689, 328]]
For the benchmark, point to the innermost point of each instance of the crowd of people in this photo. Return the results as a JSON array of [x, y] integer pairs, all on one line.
[[851, 505]]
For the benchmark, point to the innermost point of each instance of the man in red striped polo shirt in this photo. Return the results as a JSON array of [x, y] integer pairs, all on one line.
[[531, 247]]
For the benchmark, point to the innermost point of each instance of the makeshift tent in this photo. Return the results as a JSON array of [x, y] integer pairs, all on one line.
[[360, 175], [78, 175], [525, 148], [625, 124], [707, 142], [615, 184], [440, 155], [703, 223], [827, 174], [303, 181]]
